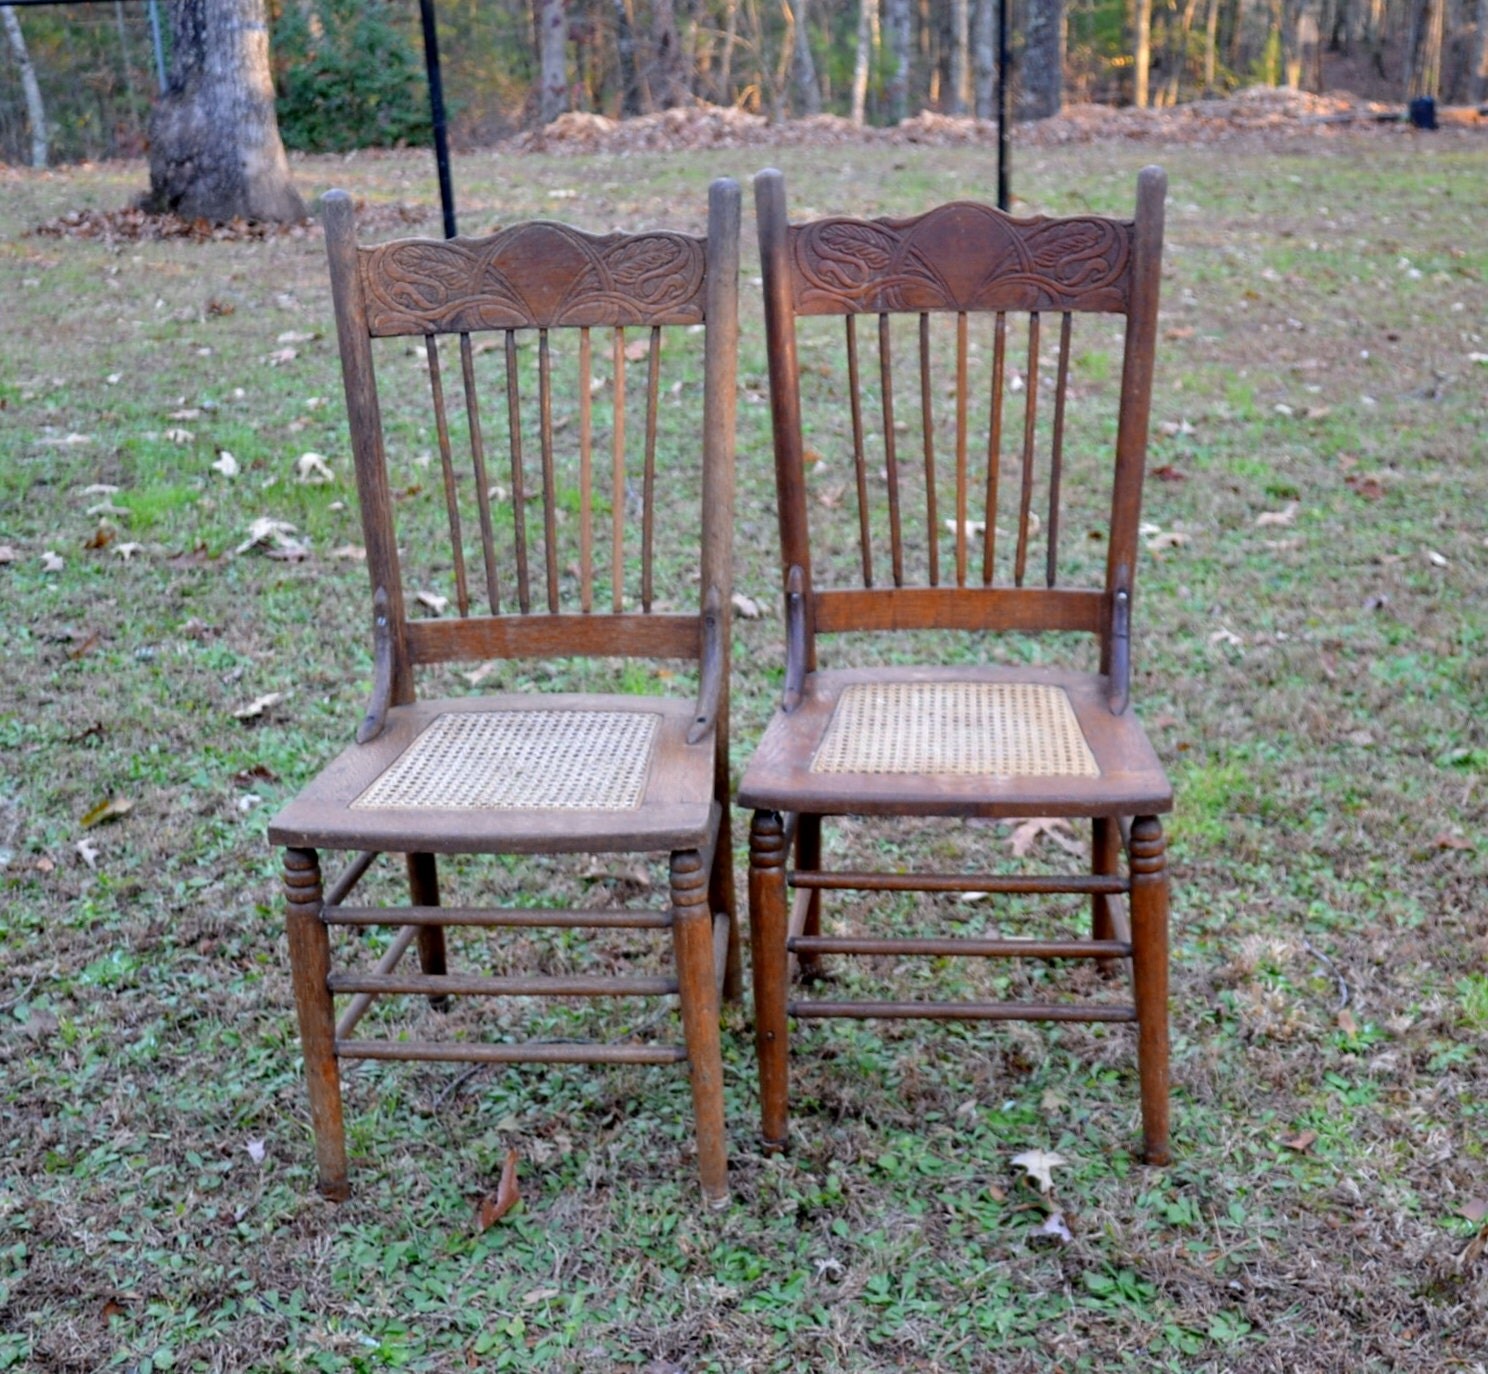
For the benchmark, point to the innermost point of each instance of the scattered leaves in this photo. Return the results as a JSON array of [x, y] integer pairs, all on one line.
[[1302, 1141], [1287, 515], [136, 226], [432, 601], [313, 470], [1040, 1165], [274, 536], [1475, 1209], [177, 435], [1054, 1228], [110, 810], [746, 606], [255, 708], [496, 1205], [1027, 833], [51, 561]]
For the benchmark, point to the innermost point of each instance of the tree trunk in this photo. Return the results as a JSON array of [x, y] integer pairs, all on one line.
[[1142, 52], [867, 36], [960, 101], [1477, 86], [984, 57], [898, 21], [1426, 49], [725, 84], [668, 80], [1043, 60], [552, 27], [803, 67], [1211, 45], [215, 151], [630, 90], [35, 113]]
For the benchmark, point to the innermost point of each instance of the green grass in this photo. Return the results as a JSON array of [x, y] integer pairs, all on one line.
[[1314, 689]]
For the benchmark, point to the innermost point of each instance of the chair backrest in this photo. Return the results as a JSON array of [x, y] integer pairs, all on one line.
[[560, 446], [974, 543]]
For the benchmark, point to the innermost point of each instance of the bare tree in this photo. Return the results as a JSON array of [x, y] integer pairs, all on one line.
[[1428, 22], [803, 67], [897, 17], [35, 112], [1477, 83], [960, 100], [552, 28], [1141, 51], [984, 57], [867, 45], [668, 77], [1043, 60], [215, 151]]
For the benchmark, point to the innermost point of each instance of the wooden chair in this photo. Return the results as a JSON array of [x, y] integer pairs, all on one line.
[[564, 564], [959, 741]]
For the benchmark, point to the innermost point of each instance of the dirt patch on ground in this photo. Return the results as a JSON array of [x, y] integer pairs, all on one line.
[[1258, 108]]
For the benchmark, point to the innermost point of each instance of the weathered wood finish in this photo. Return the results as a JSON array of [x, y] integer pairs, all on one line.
[[545, 284], [961, 261]]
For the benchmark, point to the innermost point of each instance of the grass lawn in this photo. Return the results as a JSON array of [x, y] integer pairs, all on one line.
[[1311, 662]]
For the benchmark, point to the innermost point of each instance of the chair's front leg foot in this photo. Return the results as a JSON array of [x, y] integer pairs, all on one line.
[[692, 939], [1149, 920], [770, 961], [310, 968]]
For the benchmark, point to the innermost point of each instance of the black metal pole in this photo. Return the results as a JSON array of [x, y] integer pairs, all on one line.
[[436, 110], [1004, 109]]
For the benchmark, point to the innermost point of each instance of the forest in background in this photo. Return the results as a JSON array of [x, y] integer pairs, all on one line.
[[349, 73]]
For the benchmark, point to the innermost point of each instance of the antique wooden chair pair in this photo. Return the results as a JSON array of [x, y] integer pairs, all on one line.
[[527, 772]]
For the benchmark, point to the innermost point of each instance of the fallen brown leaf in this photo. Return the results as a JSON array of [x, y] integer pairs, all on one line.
[[1301, 1142], [496, 1205], [110, 810], [1027, 833]]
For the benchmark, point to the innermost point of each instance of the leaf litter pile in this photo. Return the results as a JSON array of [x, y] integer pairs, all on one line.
[[187, 643]]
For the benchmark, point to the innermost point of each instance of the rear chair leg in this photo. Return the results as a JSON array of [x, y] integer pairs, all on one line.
[[692, 939], [808, 859], [725, 906], [770, 961], [1105, 855], [423, 890], [310, 968], [1149, 919]]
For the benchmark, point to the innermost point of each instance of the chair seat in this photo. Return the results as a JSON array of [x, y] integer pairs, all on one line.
[[955, 742], [514, 774]]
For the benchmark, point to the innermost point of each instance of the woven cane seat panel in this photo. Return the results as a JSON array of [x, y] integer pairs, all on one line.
[[972, 729], [521, 760]]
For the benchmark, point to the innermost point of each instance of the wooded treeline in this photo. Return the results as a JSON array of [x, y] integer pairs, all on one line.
[[349, 72]]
